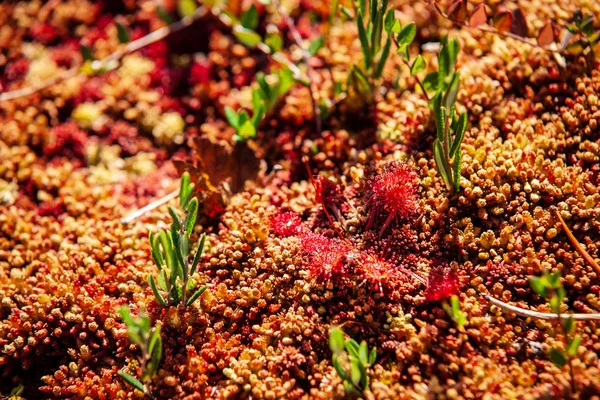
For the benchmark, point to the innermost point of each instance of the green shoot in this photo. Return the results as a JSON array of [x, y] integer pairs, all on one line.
[[453, 310], [171, 253], [351, 361], [150, 343]]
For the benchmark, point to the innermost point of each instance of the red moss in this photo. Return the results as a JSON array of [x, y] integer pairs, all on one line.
[[200, 72], [66, 140], [43, 32], [394, 193], [327, 192], [441, 284], [286, 224], [326, 256], [51, 208]]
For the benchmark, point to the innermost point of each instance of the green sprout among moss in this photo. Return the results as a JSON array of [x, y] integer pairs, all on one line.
[[454, 311], [549, 286], [171, 252], [450, 127], [264, 99], [351, 361], [150, 343]]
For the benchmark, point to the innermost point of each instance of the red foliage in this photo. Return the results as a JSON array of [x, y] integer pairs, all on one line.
[[16, 69], [376, 272], [441, 284], [200, 72], [326, 256], [286, 224], [66, 140], [394, 193], [43, 32], [327, 191], [51, 208]]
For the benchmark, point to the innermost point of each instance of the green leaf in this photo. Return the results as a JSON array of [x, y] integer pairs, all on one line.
[[459, 133], [554, 280], [372, 356], [438, 155], [178, 266], [176, 219], [373, 10], [336, 340], [126, 316], [122, 33], [456, 171], [402, 51], [355, 373], [232, 118], [418, 65], [198, 254], [450, 96], [315, 45], [363, 352], [247, 131], [196, 295], [176, 293], [132, 381], [86, 53], [154, 340], [407, 34], [352, 347], [155, 250], [243, 118], [185, 188], [558, 357], [384, 56], [154, 288], [155, 357], [430, 83], [246, 36], [164, 15], [538, 284], [555, 304], [569, 325], [186, 8], [453, 48], [376, 33], [338, 368], [573, 346], [364, 380], [162, 280], [274, 41], [364, 42], [362, 7], [190, 220], [440, 116], [249, 19], [397, 26], [360, 80], [389, 21], [346, 11]]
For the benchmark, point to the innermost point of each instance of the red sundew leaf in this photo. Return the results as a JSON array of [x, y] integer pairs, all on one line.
[[546, 35], [478, 16], [503, 21], [286, 224], [458, 10], [519, 24], [441, 284]]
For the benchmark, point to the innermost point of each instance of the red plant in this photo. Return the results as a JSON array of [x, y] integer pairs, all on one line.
[[66, 140], [441, 284], [326, 256], [394, 192], [286, 224]]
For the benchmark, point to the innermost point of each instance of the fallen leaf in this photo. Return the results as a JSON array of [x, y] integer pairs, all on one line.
[[478, 16], [546, 35], [519, 24], [503, 21]]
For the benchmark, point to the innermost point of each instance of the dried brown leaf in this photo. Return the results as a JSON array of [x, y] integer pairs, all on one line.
[[478, 16], [519, 24], [546, 35], [458, 10], [503, 21]]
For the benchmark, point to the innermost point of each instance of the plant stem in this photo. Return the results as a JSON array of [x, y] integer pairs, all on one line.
[[155, 204], [586, 256], [408, 65]]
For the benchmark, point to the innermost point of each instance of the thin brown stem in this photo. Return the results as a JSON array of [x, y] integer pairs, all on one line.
[[98, 65], [586, 256], [540, 315], [408, 65]]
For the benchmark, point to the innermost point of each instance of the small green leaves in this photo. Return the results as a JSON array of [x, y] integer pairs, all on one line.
[[164, 15], [558, 357], [186, 8], [454, 311], [246, 36], [122, 33], [316, 45], [573, 346], [132, 381], [274, 42], [196, 295], [407, 34], [417, 66], [86, 53], [249, 19], [351, 361], [171, 251]]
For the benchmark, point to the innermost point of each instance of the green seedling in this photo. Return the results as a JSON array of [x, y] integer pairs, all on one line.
[[454, 311], [171, 253], [351, 361], [148, 339]]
